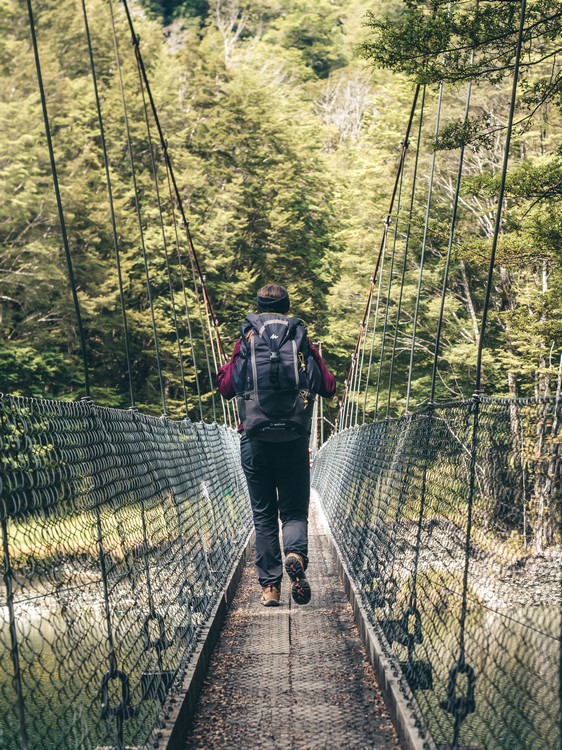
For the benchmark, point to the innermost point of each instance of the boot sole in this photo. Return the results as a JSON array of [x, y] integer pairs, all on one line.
[[270, 603], [300, 590]]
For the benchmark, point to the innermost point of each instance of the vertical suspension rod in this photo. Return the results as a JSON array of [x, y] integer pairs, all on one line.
[[154, 170], [356, 386], [184, 292], [164, 145], [383, 240], [501, 194], [388, 293], [112, 211], [110, 200], [185, 221], [476, 398], [450, 244], [375, 321], [405, 258], [202, 324], [424, 246], [62, 221]]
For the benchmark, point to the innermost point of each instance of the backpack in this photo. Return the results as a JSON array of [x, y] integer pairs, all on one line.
[[275, 378]]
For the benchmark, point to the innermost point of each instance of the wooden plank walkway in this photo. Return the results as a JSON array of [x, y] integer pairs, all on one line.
[[292, 678]]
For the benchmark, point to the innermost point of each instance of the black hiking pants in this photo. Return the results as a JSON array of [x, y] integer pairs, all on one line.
[[278, 476]]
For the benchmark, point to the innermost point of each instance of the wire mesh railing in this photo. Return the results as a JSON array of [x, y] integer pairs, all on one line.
[[463, 587], [119, 531]]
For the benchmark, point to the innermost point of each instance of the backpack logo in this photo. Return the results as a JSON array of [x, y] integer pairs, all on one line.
[[274, 336]]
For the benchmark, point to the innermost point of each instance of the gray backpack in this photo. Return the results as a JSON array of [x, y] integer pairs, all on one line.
[[275, 378]]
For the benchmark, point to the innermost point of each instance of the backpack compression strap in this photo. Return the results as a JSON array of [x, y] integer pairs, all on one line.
[[274, 367], [260, 325]]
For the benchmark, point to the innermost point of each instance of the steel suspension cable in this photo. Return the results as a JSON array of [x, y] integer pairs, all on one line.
[[62, 222], [405, 258], [357, 369], [501, 194], [356, 387], [388, 292], [212, 325], [208, 314], [340, 419], [164, 145], [321, 405], [204, 329], [154, 171], [110, 201], [381, 248], [424, 246], [363, 350], [137, 204], [450, 243], [142, 82], [184, 292], [462, 666], [365, 332], [375, 321], [111, 208]]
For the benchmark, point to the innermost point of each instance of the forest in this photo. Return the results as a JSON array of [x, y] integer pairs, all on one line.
[[284, 123]]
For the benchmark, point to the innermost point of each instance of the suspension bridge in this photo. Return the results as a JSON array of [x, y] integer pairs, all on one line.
[[124, 535]]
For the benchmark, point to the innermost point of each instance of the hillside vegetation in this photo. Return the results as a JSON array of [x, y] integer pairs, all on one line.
[[284, 122]]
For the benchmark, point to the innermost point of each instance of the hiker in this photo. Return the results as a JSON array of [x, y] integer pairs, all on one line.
[[275, 372]]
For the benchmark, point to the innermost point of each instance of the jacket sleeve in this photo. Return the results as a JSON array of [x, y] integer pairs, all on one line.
[[328, 381], [224, 375]]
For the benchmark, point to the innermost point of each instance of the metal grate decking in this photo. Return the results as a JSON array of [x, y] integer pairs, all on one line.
[[292, 677]]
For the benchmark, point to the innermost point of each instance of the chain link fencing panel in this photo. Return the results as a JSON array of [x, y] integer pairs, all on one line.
[[463, 586], [119, 531]]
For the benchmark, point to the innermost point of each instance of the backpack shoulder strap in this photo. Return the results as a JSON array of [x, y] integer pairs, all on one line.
[[299, 333], [246, 333]]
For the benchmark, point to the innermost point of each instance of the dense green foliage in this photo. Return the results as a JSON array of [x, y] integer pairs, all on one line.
[[285, 145], [453, 44], [237, 92], [471, 49]]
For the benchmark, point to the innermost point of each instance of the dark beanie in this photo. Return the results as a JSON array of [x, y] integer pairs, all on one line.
[[274, 304]]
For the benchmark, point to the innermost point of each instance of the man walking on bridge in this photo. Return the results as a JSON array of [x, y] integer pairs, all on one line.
[[276, 372]]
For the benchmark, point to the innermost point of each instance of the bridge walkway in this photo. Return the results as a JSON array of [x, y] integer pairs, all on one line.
[[292, 678]]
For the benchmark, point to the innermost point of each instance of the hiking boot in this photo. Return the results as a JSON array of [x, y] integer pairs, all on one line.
[[300, 591], [270, 595]]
